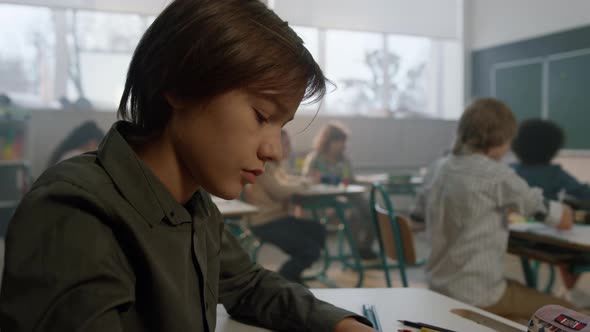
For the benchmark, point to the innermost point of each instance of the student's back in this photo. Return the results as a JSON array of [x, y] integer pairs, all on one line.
[[464, 209]]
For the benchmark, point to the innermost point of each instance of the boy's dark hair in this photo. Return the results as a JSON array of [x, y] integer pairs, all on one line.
[[329, 133], [198, 49], [78, 137], [538, 141], [485, 123]]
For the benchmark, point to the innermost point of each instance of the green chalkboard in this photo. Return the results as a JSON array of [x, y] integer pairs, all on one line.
[[520, 87], [520, 83], [569, 98]]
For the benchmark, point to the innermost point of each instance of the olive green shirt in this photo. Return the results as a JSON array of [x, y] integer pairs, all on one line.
[[99, 244]]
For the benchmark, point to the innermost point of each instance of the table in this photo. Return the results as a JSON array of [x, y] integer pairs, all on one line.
[[386, 178], [327, 190], [323, 196], [395, 184], [393, 304], [234, 208], [577, 204], [233, 211], [539, 242]]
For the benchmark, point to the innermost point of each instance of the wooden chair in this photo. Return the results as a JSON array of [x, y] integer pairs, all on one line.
[[394, 235]]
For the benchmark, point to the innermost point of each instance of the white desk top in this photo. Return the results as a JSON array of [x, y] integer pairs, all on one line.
[[393, 304], [384, 178], [331, 190], [579, 235], [234, 208]]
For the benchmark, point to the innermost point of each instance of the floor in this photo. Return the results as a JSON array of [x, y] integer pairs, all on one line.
[[271, 257]]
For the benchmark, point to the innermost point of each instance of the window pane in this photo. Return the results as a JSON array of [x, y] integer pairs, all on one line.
[[410, 82], [27, 57], [310, 38], [109, 31], [349, 64], [103, 85]]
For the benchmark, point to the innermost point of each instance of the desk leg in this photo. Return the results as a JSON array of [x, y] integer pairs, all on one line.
[[352, 244], [327, 258], [530, 273]]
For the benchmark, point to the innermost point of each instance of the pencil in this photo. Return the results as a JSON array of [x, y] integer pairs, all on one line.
[[421, 325]]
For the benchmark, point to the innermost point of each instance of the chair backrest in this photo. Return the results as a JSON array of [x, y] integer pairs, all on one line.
[[389, 239], [394, 231]]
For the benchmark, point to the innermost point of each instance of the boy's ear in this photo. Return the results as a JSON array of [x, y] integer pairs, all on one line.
[[175, 101]]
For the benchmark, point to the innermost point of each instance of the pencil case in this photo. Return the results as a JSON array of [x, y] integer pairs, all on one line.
[[554, 318]]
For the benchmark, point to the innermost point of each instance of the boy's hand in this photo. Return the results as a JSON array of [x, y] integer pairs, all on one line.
[[352, 325], [567, 218]]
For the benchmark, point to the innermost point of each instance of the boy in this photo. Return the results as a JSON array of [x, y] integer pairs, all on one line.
[[127, 238], [466, 216]]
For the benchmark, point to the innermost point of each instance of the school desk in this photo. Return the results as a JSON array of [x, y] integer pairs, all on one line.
[[321, 196], [402, 184], [542, 243], [234, 213], [234, 208], [393, 304]]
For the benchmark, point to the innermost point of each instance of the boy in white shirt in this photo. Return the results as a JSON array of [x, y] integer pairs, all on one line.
[[467, 216]]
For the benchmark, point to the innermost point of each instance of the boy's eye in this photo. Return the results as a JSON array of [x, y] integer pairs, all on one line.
[[260, 118]]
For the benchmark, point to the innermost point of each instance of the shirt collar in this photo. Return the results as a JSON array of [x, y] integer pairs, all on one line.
[[139, 185]]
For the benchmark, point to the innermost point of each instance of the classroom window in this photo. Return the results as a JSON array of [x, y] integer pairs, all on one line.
[[48, 55], [376, 74], [409, 75], [27, 56], [311, 39], [352, 64]]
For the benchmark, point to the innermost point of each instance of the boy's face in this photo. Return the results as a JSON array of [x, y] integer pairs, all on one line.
[[223, 144], [498, 152]]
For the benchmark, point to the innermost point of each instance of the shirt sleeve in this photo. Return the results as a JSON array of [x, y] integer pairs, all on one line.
[[515, 193], [278, 189], [575, 188], [262, 297], [64, 270], [310, 164]]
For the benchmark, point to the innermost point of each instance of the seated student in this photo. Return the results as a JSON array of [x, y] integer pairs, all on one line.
[[328, 163], [418, 209], [127, 238], [535, 145], [83, 138], [303, 240], [467, 216]]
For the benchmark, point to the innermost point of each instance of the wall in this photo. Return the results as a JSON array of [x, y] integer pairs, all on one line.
[[375, 143], [149, 7], [492, 23], [46, 129], [500, 21], [382, 144], [430, 18]]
